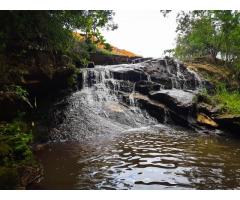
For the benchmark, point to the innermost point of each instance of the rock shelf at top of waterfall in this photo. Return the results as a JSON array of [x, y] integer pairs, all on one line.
[[167, 73]]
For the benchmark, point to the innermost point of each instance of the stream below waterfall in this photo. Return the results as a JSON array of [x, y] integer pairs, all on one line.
[[98, 141]]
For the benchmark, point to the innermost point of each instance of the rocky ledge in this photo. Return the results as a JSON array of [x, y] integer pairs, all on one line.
[[168, 90]]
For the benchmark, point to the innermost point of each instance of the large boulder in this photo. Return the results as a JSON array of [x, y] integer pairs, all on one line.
[[160, 111], [171, 74], [179, 101]]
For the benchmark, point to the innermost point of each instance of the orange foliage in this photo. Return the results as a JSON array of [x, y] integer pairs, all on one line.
[[115, 50]]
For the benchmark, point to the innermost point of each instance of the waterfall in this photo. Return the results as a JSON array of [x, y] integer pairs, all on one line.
[[109, 102], [198, 80], [131, 97]]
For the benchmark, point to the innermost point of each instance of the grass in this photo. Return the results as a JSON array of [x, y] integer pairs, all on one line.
[[223, 78], [228, 100]]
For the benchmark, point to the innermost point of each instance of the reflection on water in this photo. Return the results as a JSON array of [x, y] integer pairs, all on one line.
[[155, 157]]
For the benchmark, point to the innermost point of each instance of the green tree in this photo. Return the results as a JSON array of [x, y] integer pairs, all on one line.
[[211, 33], [49, 30]]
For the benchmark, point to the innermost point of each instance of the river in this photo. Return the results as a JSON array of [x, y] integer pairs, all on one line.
[[100, 142]]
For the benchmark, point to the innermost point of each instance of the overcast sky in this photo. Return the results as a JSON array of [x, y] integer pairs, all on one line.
[[146, 33]]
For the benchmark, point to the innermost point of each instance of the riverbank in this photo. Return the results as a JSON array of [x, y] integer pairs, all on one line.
[[221, 102]]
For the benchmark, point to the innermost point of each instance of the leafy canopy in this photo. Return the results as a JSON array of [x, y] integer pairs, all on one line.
[[212, 33], [49, 30]]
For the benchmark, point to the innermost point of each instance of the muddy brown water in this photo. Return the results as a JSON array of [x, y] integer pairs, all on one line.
[[155, 157]]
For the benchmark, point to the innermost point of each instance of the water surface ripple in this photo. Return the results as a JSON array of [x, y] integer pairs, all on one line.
[[156, 157]]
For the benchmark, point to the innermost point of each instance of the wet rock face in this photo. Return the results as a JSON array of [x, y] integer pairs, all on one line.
[[129, 95], [178, 101], [129, 75], [91, 65], [156, 111], [145, 87], [162, 80], [229, 122], [167, 73]]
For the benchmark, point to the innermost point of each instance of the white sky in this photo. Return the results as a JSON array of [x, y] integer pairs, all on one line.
[[144, 32]]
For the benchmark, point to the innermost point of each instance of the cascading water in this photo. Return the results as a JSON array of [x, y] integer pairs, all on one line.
[[102, 143], [97, 108], [102, 98]]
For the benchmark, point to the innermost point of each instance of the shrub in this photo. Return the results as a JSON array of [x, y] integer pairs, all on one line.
[[14, 143], [228, 101]]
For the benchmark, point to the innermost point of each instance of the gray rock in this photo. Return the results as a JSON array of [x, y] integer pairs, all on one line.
[[145, 87], [179, 101], [129, 75], [91, 65]]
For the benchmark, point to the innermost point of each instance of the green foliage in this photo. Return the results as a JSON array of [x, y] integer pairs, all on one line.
[[201, 41], [27, 36], [94, 20], [72, 80], [84, 62], [14, 143], [108, 47], [213, 34], [19, 91], [22, 31], [228, 100], [105, 52], [25, 30], [80, 53], [91, 46], [15, 138], [209, 33]]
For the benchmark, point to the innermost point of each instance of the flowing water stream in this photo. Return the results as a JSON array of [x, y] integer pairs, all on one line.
[[100, 142]]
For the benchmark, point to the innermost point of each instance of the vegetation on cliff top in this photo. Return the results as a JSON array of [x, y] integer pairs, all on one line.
[[209, 42], [103, 46]]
